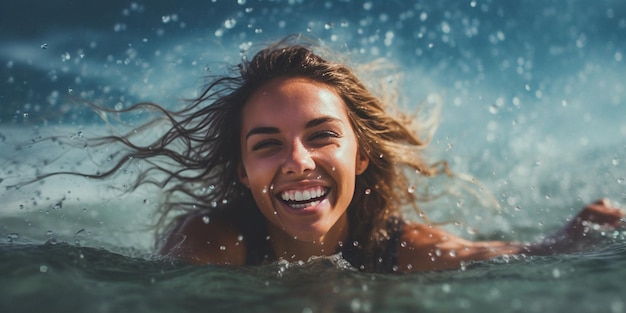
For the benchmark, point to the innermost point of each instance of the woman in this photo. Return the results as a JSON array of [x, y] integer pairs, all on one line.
[[311, 164], [293, 157]]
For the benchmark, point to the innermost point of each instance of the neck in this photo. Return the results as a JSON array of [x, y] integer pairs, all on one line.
[[292, 249]]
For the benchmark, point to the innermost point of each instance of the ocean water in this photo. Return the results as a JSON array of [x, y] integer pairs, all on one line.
[[533, 106]]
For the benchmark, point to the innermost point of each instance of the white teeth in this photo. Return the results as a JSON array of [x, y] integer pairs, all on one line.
[[304, 205], [303, 195]]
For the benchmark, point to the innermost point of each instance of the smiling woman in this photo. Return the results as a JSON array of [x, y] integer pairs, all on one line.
[[303, 160]]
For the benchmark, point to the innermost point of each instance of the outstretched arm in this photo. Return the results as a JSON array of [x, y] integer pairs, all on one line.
[[600, 214], [426, 248]]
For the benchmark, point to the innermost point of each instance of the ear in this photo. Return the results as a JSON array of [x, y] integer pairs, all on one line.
[[362, 162], [241, 174]]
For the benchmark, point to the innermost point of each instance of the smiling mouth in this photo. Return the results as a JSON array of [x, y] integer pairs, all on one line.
[[301, 199]]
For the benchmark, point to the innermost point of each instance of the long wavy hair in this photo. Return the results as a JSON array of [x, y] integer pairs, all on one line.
[[194, 162]]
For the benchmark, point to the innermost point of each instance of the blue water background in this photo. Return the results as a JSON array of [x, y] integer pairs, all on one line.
[[533, 105]]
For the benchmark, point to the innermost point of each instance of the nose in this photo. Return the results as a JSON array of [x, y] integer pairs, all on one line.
[[298, 160]]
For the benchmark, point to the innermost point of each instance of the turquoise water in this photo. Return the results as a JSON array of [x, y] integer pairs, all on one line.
[[533, 99], [61, 278]]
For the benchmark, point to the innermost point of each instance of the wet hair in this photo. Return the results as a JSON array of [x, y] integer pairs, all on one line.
[[195, 161]]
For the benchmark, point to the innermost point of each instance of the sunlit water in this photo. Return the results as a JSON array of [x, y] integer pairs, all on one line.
[[533, 96]]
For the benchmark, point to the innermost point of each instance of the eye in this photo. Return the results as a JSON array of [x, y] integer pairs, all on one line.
[[326, 134], [264, 144]]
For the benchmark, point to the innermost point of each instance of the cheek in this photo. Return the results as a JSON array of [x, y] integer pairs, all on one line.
[[259, 177]]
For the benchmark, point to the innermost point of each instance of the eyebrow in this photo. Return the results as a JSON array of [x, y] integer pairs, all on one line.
[[273, 130]]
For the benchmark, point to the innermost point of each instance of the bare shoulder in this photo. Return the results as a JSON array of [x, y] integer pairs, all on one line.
[[199, 239], [429, 248]]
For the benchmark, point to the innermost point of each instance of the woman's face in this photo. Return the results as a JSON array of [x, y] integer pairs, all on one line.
[[300, 156]]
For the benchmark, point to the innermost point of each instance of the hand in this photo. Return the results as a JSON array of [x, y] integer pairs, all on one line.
[[572, 237], [599, 213]]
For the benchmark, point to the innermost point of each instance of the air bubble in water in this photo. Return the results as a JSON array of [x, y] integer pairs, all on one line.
[[205, 219], [368, 191], [620, 180]]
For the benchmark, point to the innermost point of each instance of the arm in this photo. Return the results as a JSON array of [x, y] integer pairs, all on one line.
[[197, 242], [425, 248]]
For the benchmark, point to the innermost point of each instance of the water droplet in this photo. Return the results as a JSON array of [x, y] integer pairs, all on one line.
[[166, 19], [44, 46], [355, 243], [452, 253], [12, 236], [403, 244], [223, 248], [368, 191], [241, 2], [328, 26], [206, 219], [355, 305], [411, 189], [264, 189], [230, 23], [446, 288], [493, 109]]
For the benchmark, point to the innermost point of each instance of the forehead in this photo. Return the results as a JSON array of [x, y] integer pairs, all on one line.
[[291, 98]]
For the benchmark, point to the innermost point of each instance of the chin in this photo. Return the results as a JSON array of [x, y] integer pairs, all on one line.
[[310, 235]]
